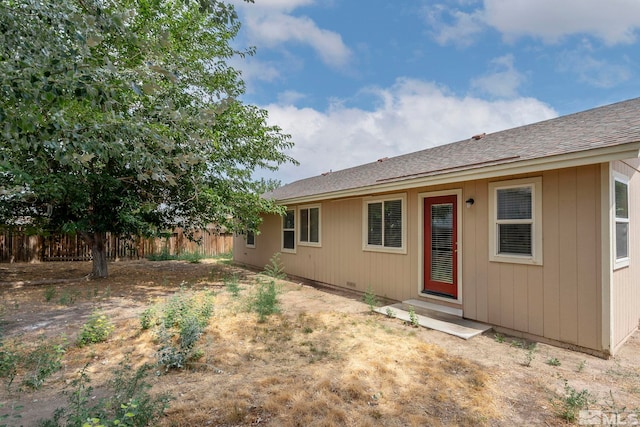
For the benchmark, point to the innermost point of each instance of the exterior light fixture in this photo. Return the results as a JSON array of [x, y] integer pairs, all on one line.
[[470, 202]]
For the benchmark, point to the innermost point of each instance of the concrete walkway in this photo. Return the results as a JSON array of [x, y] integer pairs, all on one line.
[[436, 317]]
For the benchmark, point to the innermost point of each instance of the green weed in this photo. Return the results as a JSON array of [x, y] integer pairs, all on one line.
[[179, 324], [147, 318], [370, 299], [128, 402], [49, 293], [265, 301], [275, 268], [41, 362], [553, 361], [96, 329], [530, 354], [69, 297], [413, 318], [390, 312], [569, 405], [232, 285]]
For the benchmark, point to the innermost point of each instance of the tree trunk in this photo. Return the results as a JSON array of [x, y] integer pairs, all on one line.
[[98, 253]]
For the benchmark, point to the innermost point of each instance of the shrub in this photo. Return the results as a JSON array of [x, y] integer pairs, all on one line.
[[232, 285], [572, 402], [128, 402], [275, 268], [97, 329], [265, 301], [43, 361], [180, 322], [35, 364], [370, 299]]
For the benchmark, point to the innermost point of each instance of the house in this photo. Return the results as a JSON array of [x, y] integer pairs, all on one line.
[[535, 230]]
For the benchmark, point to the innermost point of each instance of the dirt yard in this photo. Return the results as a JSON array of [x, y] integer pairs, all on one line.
[[324, 360]]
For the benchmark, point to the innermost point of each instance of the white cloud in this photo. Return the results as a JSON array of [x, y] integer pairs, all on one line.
[[290, 97], [411, 115], [593, 71], [270, 24], [612, 21], [502, 82], [462, 32]]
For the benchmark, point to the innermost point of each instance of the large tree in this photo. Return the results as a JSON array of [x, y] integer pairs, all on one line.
[[124, 116]]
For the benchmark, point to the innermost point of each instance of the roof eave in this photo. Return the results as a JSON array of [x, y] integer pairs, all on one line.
[[540, 164]]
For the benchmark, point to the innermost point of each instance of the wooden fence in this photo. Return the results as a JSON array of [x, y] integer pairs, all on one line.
[[16, 246]]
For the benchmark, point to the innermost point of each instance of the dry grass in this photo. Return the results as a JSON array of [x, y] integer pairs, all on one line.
[[323, 361], [298, 368]]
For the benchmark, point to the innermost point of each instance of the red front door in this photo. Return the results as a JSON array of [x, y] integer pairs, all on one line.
[[441, 246]]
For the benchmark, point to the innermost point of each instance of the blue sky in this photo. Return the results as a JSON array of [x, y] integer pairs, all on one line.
[[354, 81]]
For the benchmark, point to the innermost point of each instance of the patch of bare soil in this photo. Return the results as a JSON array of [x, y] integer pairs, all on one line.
[[324, 360]]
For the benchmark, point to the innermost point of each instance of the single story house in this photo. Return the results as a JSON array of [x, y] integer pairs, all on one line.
[[535, 230]]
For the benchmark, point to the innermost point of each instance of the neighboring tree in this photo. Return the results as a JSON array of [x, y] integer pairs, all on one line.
[[123, 116]]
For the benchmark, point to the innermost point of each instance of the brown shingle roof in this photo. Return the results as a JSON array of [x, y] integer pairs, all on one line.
[[602, 127]]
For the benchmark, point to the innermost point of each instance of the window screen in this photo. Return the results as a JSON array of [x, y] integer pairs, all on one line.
[[288, 230], [384, 224], [622, 219], [310, 225], [514, 209]]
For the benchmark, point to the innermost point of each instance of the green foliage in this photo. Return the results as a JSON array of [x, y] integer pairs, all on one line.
[[572, 402], [125, 116], [35, 363], [232, 285], [69, 297], [370, 299], [147, 318], [265, 301], [413, 318], [390, 312], [128, 402], [530, 354], [96, 329], [581, 366], [8, 364], [13, 414], [553, 361], [43, 361], [498, 337], [179, 323], [275, 268], [164, 255], [194, 257], [49, 293]]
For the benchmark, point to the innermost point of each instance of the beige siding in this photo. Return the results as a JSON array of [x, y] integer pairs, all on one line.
[[559, 300], [626, 280]]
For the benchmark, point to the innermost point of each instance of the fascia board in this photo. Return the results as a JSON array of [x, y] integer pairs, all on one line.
[[618, 152]]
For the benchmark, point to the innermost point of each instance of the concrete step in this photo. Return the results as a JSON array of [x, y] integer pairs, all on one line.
[[437, 320]]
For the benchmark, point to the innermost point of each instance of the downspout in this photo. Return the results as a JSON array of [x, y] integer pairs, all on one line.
[[606, 204]]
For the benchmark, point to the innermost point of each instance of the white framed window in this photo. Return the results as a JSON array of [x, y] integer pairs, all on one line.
[[384, 224], [515, 221], [250, 239], [309, 228], [289, 231], [621, 215]]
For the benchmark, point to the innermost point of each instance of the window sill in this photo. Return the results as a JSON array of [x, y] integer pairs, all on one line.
[[515, 259], [310, 244], [620, 263], [401, 251]]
